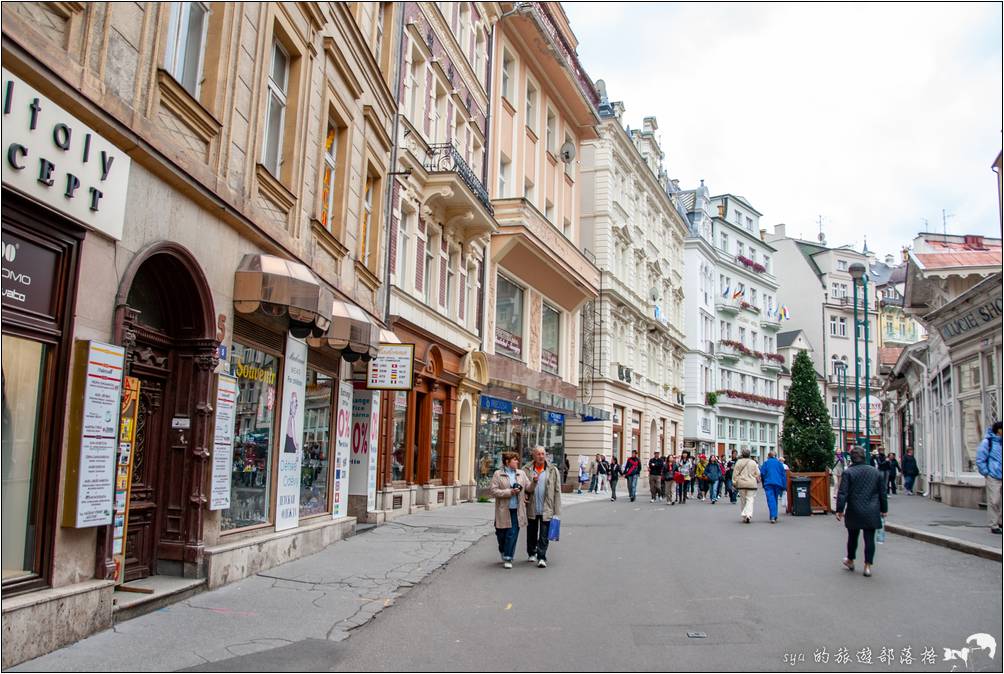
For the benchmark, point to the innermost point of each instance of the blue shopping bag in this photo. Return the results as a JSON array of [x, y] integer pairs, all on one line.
[[880, 534], [554, 530]]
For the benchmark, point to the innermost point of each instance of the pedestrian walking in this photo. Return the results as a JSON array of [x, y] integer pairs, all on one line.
[[594, 475], [893, 472], [680, 482], [988, 462], [730, 487], [910, 471], [603, 469], [632, 468], [687, 468], [745, 476], [583, 478], [774, 475], [882, 463], [702, 462], [543, 504], [613, 474], [862, 495], [713, 473], [564, 470], [656, 465], [507, 487], [668, 487]]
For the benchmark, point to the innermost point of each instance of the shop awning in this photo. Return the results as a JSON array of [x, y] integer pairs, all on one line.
[[352, 332], [277, 287]]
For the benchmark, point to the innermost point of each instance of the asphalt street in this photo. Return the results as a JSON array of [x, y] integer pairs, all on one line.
[[630, 587], [628, 582]]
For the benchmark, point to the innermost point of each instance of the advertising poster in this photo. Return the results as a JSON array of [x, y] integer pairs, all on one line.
[[373, 444], [123, 471], [392, 368], [287, 499], [93, 486], [343, 450], [365, 426], [223, 442]]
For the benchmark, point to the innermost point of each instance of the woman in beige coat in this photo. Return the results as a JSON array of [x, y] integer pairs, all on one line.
[[508, 486], [745, 476]]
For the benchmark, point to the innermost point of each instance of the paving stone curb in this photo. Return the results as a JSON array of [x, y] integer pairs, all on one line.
[[950, 542]]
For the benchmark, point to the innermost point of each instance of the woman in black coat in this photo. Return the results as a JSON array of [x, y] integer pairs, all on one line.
[[862, 495]]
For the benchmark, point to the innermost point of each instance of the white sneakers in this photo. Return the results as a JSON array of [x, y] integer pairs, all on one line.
[[506, 565], [542, 564], [532, 559]]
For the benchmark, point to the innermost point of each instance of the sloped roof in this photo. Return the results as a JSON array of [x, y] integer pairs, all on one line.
[[785, 339], [808, 250], [958, 259], [888, 355], [687, 198]]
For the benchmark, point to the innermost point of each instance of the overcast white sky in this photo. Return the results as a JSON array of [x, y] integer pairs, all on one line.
[[874, 116]]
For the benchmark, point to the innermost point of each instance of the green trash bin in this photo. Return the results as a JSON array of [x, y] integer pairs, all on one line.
[[801, 504]]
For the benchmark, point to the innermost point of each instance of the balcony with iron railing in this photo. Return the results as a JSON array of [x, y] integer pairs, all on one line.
[[749, 400], [455, 192]]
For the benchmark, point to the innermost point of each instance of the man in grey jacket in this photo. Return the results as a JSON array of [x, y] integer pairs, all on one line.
[[543, 503]]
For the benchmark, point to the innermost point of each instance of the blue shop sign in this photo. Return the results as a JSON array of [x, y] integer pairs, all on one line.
[[555, 418], [496, 404]]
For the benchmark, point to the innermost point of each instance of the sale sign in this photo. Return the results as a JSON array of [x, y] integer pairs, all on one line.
[[343, 450], [365, 434]]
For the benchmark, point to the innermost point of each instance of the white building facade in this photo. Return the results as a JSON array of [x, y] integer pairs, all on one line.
[[818, 292], [633, 224], [733, 394]]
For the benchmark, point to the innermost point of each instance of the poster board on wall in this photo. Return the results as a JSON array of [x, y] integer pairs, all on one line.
[[343, 450], [123, 473], [223, 442], [95, 400], [294, 384]]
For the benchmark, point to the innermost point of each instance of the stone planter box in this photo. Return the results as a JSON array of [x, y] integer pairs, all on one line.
[[819, 492]]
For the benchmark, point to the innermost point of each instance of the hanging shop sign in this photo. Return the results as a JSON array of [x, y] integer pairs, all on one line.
[[56, 159], [94, 432], [365, 428], [343, 450], [223, 442], [123, 473], [287, 499], [871, 406], [392, 369], [981, 316]]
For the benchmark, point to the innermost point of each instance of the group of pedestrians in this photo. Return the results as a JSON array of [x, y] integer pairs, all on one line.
[[527, 497]]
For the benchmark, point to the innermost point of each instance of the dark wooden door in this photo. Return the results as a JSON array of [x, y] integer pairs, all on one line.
[[150, 364]]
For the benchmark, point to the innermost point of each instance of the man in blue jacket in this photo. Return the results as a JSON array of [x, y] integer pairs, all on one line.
[[775, 481], [988, 462]]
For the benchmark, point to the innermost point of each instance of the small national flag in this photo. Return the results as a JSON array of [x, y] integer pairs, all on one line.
[[785, 314], [738, 293], [727, 291]]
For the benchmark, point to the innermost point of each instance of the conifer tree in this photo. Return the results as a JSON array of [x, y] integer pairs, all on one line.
[[807, 439]]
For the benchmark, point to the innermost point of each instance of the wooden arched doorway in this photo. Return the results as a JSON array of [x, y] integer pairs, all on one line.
[[164, 319]]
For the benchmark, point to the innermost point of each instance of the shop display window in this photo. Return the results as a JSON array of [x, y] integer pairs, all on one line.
[[399, 451], [257, 375], [509, 319], [315, 467], [520, 430], [437, 427], [23, 361]]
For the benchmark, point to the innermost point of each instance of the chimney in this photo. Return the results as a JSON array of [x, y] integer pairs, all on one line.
[[649, 125], [905, 254], [763, 233], [974, 242], [721, 210], [779, 230]]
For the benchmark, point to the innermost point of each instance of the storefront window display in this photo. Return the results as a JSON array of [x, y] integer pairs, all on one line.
[[437, 426], [507, 426], [509, 319], [22, 385], [618, 437], [314, 471], [257, 373], [399, 451]]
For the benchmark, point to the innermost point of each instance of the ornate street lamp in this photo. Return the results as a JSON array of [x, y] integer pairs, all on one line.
[[842, 401], [859, 274]]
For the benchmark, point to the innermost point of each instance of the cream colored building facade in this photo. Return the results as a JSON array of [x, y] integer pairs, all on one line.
[[259, 136], [631, 221], [537, 278]]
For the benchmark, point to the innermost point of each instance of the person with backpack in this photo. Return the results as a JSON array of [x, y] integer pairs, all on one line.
[[613, 474], [632, 469], [988, 462], [745, 476], [713, 475]]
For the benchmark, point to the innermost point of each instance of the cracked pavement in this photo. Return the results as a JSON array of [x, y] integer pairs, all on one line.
[[322, 597]]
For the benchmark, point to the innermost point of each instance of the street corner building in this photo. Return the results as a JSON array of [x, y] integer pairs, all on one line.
[[193, 255]]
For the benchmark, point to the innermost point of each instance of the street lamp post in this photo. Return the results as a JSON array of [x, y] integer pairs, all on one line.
[[842, 401], [859, 274]]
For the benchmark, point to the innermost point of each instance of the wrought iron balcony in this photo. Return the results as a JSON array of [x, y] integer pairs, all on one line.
[[445, 158]]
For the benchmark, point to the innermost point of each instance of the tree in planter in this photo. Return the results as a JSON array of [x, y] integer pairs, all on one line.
[[808, 437]]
